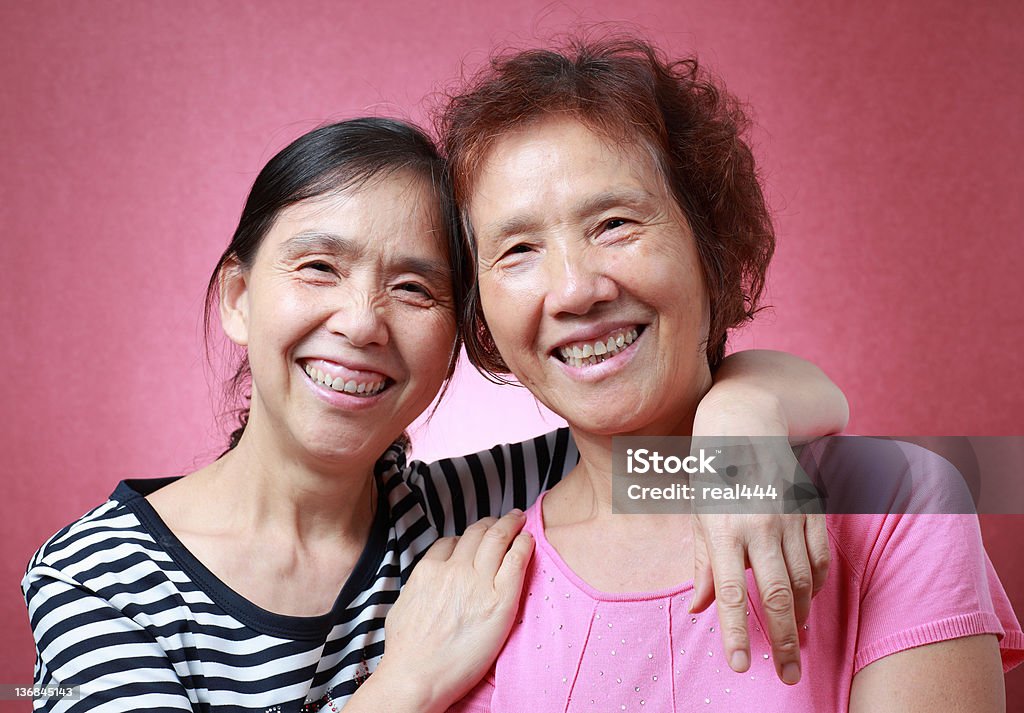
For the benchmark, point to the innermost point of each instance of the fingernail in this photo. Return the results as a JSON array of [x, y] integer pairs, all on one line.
[[739, 661], [791, 673], [515, 511]]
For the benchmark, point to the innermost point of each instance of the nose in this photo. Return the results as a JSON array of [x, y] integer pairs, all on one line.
[[356, 316], [578, 280]]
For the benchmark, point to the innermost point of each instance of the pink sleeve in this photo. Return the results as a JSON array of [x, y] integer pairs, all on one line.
[[927, 578], [479, 699]]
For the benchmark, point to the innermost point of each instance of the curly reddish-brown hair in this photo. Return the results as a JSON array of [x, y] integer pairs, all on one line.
[[626, 90]]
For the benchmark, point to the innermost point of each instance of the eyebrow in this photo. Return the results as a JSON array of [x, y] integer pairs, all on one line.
[[631, 197], [516, 225], [315, 241], [438, 273]]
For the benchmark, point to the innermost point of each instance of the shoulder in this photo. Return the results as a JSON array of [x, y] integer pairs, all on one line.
[[110, 521], [861, 474], [106, 547], [882, 494]]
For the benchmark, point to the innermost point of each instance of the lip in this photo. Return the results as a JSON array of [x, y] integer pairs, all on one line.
[[347, 368], [357, 371], [609, 367]]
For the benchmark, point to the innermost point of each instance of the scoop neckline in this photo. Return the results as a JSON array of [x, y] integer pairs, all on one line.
[[132, 493], [535, 519]]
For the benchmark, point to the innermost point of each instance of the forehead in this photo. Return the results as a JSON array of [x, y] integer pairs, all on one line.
[[556, 159], [397, 212]]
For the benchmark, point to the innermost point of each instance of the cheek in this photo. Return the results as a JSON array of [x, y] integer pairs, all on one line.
[[694, 313], [696, 296], [427, 344], [676, 275], [508, 304], [282, 317]]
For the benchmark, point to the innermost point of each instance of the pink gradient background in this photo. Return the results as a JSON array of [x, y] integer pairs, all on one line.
[[889, 135]]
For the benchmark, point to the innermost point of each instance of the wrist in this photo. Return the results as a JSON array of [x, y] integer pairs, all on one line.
[[740, 410], [395, 692]]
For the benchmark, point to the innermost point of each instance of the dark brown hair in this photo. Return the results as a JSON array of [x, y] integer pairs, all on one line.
[[624, 89], [336, 157]]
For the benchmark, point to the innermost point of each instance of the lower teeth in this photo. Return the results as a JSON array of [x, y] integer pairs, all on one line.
[[595, 359], [589, 361]]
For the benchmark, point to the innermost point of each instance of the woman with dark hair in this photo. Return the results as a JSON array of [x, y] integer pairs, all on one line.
[[262, 581], [611, 199]]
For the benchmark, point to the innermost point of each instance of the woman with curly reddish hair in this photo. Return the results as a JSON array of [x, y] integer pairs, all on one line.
[[620, 231]]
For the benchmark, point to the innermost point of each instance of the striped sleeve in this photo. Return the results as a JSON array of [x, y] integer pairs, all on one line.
[[82, 640], [457, 492]]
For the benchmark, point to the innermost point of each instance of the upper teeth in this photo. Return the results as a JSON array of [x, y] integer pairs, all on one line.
[[339, 384], [596, 352]]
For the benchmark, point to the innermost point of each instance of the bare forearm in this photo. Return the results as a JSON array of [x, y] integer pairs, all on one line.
[[770, 393]]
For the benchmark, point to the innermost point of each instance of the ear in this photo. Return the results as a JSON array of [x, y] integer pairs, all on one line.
[[234, 302]]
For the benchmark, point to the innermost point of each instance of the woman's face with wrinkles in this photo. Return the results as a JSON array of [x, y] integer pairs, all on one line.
[[346, 313], [590, 279]]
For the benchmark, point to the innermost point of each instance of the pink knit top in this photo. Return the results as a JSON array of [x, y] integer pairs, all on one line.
[[896, 581]]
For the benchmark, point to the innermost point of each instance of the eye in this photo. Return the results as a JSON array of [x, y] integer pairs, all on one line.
[[613, 223], [319, 266], [414, 289], [517, 249]]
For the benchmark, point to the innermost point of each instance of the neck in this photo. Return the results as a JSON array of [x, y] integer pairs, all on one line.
[[292, 493], [592, 477]]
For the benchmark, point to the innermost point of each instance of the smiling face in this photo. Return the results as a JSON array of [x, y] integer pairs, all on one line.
[[590, 279], [346, 314]]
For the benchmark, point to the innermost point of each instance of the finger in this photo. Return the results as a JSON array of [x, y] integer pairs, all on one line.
[[495, 542], [794, 550], [730, 582], [772, 577], [816, 534], [703, 575], [512, 572], [465, 550], [441, 550]]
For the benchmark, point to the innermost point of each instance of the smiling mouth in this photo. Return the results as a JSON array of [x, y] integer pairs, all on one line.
[[581, 354], [350, 386]]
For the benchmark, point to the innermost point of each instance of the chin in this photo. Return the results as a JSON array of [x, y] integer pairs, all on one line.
[[605, 425], [341, 446], [342, 456], [636, 417]]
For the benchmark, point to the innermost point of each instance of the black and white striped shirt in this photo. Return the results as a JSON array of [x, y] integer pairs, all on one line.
[[119, 606]]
